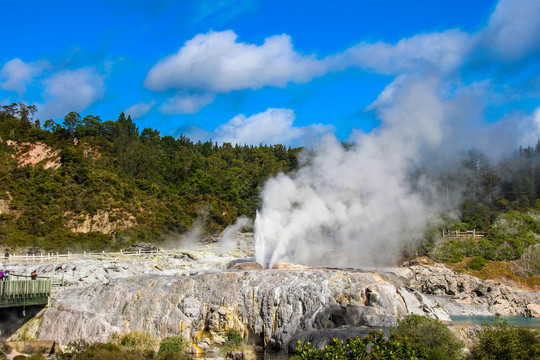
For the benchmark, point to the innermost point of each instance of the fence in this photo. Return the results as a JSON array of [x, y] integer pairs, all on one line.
[[463, 234], [79, 256]]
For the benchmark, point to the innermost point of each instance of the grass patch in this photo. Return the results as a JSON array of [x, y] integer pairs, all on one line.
[[498, 270]]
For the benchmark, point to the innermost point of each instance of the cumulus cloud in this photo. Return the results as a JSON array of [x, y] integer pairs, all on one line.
[[140, 109], [16, 74], [217, 62], [71, 90], [435, 51], [273, 126], [513, 30], [187, 104]]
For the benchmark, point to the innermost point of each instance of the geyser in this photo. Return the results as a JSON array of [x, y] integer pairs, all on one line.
[[351, 207]]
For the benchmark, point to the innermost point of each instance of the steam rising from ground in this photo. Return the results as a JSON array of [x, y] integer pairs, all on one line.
[[229, 236], [358, 206]]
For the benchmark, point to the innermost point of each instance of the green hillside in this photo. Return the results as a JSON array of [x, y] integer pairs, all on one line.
[[93, 184]]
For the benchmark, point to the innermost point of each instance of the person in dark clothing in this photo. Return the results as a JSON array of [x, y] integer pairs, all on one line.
[[33, 275]]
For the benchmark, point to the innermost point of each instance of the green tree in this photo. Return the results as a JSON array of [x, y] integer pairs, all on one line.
[[501, 341]]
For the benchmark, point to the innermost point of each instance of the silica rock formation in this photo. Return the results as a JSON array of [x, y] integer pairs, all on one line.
[[201, 295]]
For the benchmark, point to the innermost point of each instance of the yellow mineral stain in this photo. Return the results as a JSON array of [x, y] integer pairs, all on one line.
[[198, 349], [379, 279], [204, 334], [338, 276]]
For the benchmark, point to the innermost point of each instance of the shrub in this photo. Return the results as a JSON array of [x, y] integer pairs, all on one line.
[[173, 348], [477, 263], [501, 341], [373, 346], [234, 338], [528, 264], [136, 340], [81, 350], [3, 355], [449, 251], [431, 338]]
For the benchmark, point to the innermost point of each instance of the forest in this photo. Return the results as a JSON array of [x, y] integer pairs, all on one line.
[[155, 187], [160, 185]]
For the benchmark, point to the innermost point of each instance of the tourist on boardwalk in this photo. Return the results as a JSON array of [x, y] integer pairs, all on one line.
[[33, 275], [6, 275], [7, 254], [1, 274]]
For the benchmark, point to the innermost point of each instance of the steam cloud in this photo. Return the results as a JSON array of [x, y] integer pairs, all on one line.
[[360, 206], [350, 207]]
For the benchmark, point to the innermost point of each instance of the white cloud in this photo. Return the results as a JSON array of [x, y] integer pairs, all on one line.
[[513, 30], [273, 126], [139, 109], [16, 74], [436, 51], [187, 104], [71, 90], [216, 62]]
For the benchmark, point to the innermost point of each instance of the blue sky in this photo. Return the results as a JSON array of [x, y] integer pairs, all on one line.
[[252, 71]]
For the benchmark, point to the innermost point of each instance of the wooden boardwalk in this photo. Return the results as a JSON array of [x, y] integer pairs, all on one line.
[[25, 292]]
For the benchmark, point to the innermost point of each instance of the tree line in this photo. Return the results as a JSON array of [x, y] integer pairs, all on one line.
[[165, 184]]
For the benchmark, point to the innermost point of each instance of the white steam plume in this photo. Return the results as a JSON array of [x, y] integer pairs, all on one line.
[[356, 207], [229, 236]]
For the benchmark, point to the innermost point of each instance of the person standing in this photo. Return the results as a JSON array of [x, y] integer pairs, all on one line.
[[33, 275]]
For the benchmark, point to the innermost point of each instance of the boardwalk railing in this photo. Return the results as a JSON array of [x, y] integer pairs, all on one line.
[[463, 234], [43, 257], [25, 292], [46, 257]]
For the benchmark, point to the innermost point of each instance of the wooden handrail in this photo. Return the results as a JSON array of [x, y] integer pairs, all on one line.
[[25, 292]]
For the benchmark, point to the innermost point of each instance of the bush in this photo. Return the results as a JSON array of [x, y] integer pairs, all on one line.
[[81, 350], [477, 263], [448, 251], [136, 340], [173, 348], [431, 338], [37, 356], [500, 341], [373, 346], [528, 264], [234, 338]]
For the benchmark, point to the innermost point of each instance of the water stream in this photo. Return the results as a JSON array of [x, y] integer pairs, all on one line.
[[517, 321]]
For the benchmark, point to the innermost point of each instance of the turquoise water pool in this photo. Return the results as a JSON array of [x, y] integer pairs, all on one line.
[[512, 320]]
